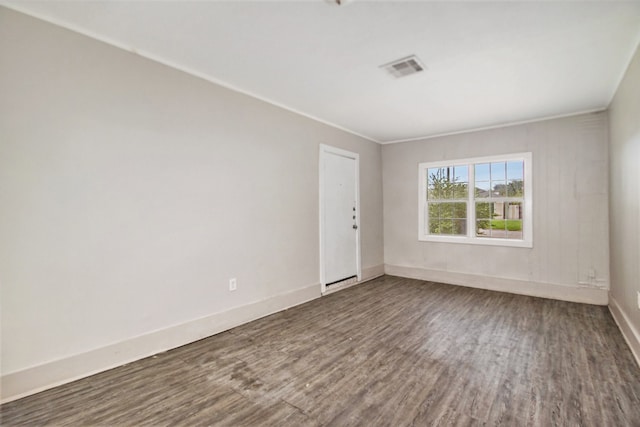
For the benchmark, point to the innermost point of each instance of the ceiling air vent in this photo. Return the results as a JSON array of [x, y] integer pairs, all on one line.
[[404, 67]]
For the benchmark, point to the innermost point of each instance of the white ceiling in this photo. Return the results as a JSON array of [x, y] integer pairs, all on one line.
[[488, 63]]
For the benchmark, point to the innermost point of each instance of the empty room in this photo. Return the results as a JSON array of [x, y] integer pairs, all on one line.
[[319, 213]]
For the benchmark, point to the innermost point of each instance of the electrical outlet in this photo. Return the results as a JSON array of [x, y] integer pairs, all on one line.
[[232, 284]]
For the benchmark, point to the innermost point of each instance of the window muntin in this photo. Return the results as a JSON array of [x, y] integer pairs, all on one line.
[[483, 200]]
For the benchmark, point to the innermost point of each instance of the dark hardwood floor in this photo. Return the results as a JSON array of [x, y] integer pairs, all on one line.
[[391, 352]]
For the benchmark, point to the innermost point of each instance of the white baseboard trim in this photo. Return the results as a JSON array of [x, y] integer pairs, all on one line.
[[629, 332], [368, 273], [39, 378], [582, 294]]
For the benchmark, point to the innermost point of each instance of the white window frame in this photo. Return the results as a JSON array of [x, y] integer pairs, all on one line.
[[470, 237]]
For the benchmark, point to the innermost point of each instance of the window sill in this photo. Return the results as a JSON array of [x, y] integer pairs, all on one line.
[[484, 241]]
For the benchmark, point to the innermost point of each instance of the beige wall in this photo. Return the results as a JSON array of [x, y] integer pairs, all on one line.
[[624, 149], [570, 217], [132, 192]]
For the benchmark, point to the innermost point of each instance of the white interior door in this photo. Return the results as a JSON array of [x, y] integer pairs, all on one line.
[[339, 204]]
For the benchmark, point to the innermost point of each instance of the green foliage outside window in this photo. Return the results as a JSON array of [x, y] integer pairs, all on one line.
[[508, 224], [447, 210]]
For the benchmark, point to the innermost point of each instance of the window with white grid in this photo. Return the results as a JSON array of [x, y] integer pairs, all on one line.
[[483, 200]]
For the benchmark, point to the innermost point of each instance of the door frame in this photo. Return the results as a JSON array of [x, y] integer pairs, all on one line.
[[326, 150]]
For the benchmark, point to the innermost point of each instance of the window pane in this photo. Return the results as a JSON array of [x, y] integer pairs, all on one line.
[[446, 226], [498, 171], [433, 172], [483, 210], [461, 191], [514, 211], [447, 191], [517, 234], [499, 189], [483, 189], [446, 210], [483, 229], [434, 210], [441, 183], [515, 170], [515, 188], [433, 182], [459, 210], [482, 172], [462, 173], [434, 226], [508, 229], [433, 192], [497, 210], [513, 225], [498, 234], [449, 173], [460, 226], [498, 224], [433, 187], [446, 174]]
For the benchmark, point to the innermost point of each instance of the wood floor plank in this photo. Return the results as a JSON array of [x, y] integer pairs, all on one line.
[[391, 352]]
